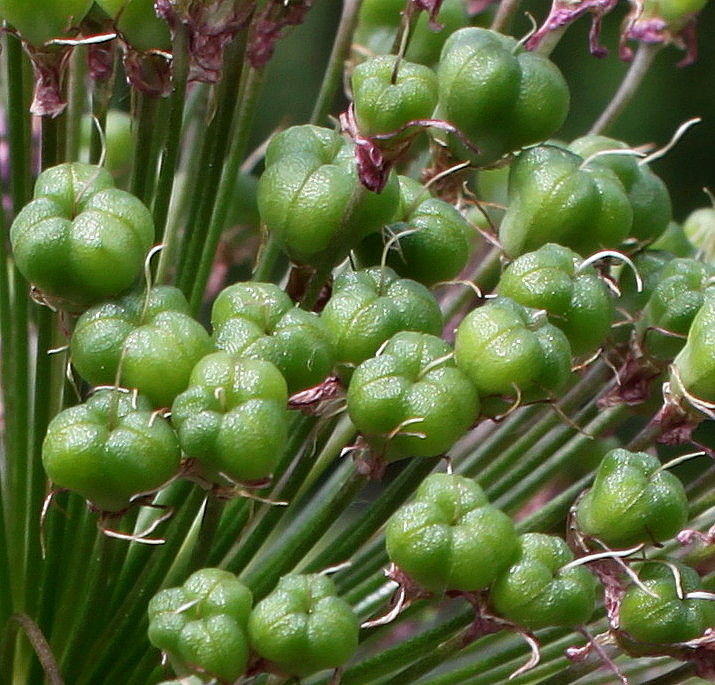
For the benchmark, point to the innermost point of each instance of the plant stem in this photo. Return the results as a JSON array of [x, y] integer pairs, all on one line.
[[334, 498], [628, 87], [249, 90], [537, 478], [180, 72], [334, 71], [144, 162], [506, 10]]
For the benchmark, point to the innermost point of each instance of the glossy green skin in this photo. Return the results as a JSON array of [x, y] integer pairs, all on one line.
[[650, 263], [696, 361], [156, 343], [369, 306], [109, 449], [138, 23], [80, 240], [699, 227], [535, 593], [632, 502], [439, 248], [672, 10], [310, 179], [407, 381], [39, 21], [449, 537], [303, 626], [648, 195], [664, 619], [675, 240], [259, 321], [379, 19], [681, 290], [202, 624], [502, 346], [553, 200], [500, 97], [382, 106], [577, 301], [233, 418]]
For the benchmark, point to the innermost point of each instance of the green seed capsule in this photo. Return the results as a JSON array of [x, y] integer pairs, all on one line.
[[499, 96], [681, 290], [384, 104], [303, 626], [151, 340], [694, 367], [667, 617], [534, 592], [138, 23], [411, 400], [632, 501], [647, 194], [259, 321], [38, 21], [232, 418], [450, 537], [369, 306], [109, 449], [554, 199], [576, 299], [80, 240], [379, 20], [310, 182], [506, 349], [201, 626], [434, 244]]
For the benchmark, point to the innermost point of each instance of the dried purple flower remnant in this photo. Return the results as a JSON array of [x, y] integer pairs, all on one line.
[[48, 66], [276, 16], [652, 29], [563, 12], [432, 7], [211, 24]]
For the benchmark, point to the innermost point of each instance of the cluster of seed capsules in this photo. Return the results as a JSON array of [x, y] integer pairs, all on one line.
[[170, 399]]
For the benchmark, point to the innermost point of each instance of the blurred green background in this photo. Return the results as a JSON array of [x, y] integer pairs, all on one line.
[[668, 97]]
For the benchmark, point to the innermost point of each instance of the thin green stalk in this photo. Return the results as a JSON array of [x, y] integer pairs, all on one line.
[[332, 500], [249, 90], [167, 173], [506, 10], [210, 518], [504, 460], [537, 478], [214, 125], [144, 161], [76, 101], [643, 60], [391, 659], [374, 515], [370, 560], [336, 63], [129, 615], [289, 474], [82, 626], [191, 175]]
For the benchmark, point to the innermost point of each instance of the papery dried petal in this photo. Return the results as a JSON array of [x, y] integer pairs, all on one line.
[[268, 30], [564, 12], [48, 67], [211, 24]]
